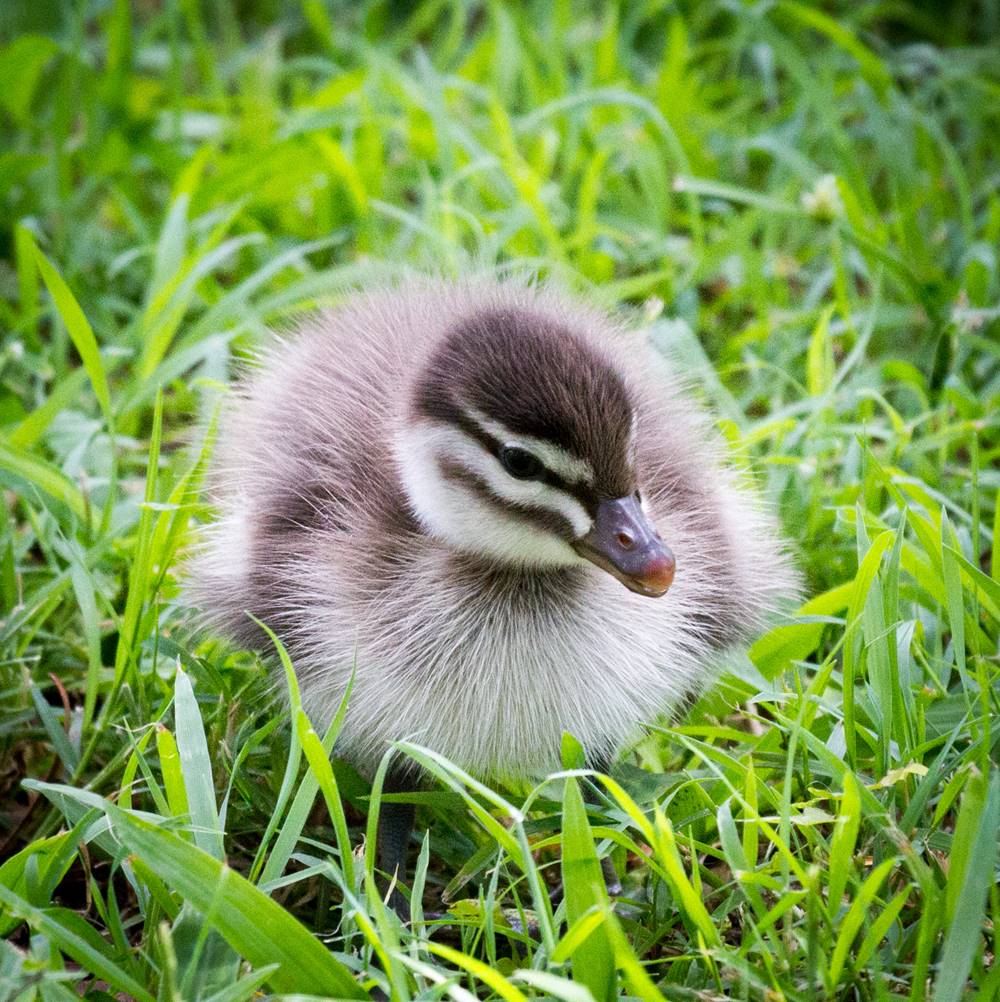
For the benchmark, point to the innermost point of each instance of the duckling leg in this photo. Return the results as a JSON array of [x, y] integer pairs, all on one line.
[[395, 823]]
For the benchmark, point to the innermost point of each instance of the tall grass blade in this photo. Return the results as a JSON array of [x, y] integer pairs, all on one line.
[[584, 890], [196, 767], [973, 860]]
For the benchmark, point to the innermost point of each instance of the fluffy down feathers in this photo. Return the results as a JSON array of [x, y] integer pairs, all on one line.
[[486, 661]]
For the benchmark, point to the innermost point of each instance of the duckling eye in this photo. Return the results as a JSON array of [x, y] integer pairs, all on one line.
[[520, 463]]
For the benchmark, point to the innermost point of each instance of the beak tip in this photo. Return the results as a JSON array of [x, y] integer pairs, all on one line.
[[657, 576], [625, 543]]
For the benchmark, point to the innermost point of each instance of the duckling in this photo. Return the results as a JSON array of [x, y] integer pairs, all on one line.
[[495, 508]]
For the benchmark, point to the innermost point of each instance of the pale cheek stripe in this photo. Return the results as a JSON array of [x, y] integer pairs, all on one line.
[[541, 518], [474, 458], [452, 444]]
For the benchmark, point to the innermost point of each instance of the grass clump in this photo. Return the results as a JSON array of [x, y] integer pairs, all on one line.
[[805, 200]]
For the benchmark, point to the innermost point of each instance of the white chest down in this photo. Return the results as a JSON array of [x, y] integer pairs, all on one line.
[[493, 681]]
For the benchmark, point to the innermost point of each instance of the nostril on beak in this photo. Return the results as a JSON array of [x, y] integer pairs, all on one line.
[[625, 540]]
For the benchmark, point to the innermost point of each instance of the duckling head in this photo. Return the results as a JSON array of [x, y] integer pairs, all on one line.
[[518, 445]]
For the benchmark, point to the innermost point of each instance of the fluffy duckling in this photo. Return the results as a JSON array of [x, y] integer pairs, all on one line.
[[493, 506]]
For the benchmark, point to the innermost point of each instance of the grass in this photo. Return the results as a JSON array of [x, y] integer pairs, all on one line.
[[802, 199]]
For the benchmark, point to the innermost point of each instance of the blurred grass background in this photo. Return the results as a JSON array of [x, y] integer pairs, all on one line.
[[798, 201]]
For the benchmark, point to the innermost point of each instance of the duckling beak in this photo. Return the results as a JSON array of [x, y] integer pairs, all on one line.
[[625, 543]]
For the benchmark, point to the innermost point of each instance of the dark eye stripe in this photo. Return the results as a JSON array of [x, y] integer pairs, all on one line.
[[442, 408], [580, 492], [543, 518]]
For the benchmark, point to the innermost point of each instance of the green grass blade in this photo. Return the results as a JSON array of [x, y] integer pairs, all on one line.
[[40, 475], [954, 602], [682, 885], [256, 927], [973, 872], [79, 330], [855, 918], [69, 933], [196, 767], [319, 763], [845, 836], [583, 886], [488, 976]]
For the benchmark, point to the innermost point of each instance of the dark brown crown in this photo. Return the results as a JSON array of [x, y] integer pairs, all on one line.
[[534, 376]]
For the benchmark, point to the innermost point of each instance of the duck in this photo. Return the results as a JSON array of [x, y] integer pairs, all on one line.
[[493, 509]]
